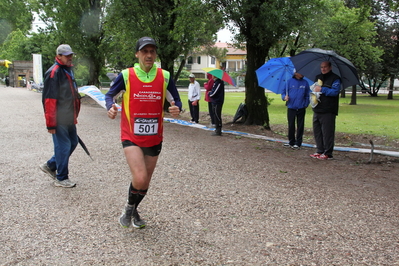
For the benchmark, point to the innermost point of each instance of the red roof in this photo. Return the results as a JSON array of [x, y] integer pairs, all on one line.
[[230, 49]]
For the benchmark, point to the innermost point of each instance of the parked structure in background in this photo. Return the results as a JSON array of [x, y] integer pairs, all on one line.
[[20, 72], [235, 61]]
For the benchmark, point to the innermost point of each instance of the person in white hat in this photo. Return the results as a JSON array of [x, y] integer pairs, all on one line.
[[194, 95]]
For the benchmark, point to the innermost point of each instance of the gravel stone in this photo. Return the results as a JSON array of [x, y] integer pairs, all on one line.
[[212, 201]]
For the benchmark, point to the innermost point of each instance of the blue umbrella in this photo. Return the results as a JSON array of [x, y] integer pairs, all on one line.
[[275, 73]]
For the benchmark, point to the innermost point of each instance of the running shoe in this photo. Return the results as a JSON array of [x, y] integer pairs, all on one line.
[[44, 167], [126, 218], [137, 221], [64, 183]]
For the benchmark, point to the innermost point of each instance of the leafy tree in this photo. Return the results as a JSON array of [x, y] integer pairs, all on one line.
[[18, 46], [346, 30], [80, 24], [386, 13], [14, 15], [178, 26], [351, 34], [261, 24]]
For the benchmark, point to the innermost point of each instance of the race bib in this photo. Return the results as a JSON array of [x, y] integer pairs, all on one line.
[[145, 126]]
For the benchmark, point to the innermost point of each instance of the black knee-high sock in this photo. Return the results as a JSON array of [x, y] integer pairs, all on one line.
[[132, 196], [135, 196]]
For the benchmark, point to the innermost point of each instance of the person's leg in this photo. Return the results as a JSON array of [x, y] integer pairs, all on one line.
[[196, 112], [300, 116], [318, 133], [141, 167], [73, 136], [217, 108], [291, 126], [328, 128], [211, 114], [191, 107], [62, 151]]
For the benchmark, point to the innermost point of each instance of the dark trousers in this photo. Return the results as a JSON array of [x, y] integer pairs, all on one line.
[[298, 116], [324, 132], [194, 111], [65, 141], [211, 113], [217, 113]]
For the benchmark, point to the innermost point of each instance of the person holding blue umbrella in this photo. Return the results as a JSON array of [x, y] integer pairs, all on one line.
[[297, 100]]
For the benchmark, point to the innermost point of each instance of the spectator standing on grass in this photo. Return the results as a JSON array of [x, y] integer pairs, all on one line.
[[61, 103], [326, 111], [297, 100], [208, 87], [217, 98], [146, 86], [194, 95]]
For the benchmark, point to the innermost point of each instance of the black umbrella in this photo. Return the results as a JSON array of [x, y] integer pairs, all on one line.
[[84, 147], [308, 64]]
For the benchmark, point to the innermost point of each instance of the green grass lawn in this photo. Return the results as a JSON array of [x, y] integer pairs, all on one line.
[[372, 115]]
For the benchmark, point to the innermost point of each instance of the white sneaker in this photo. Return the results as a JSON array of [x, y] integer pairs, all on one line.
[[64, 183], [44, 167]]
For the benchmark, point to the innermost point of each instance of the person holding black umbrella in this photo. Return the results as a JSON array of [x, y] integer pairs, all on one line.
[[325, 112], [61, 103]]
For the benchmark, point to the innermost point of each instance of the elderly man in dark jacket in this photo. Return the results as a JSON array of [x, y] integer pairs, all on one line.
[[326, 111], [61, 103]]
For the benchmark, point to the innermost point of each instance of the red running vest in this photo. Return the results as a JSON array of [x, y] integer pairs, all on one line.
[[142, 109]]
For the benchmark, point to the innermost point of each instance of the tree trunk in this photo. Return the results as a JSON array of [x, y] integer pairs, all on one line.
[[255, 98], [353, 97], [182, 64], [94, 73], [391, 83], [168, 67]]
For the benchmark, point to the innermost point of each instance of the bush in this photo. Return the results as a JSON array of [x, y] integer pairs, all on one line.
[[81, 82]]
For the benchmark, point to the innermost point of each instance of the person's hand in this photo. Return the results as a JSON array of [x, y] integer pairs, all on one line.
[[286, 98], [174, 110], [317, 88], [195, 103], [112, 112], [51, 131]]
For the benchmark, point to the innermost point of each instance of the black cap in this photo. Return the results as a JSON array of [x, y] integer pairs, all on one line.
[[143, 41]]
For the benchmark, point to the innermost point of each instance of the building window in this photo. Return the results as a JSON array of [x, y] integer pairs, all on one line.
[[213, 60], [190, 60], [199, 60]]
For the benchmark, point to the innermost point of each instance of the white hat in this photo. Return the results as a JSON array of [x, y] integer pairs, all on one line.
[[191, 76]]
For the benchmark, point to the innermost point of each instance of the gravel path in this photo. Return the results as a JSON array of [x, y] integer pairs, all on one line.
[[213, 200]]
